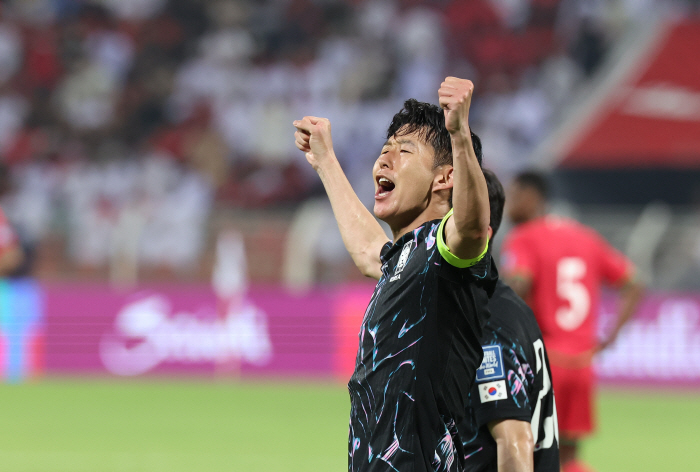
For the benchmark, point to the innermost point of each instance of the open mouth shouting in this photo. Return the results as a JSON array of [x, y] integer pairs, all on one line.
[[384, 187]]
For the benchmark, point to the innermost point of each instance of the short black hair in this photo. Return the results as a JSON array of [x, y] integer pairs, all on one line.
[[534, 180], [497, 200], [428, 121]]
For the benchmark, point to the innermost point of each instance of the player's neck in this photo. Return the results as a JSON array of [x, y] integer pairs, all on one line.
[[533, 217], [431, 212]]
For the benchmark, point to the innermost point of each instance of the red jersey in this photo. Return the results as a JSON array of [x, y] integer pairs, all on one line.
[[567, 263]]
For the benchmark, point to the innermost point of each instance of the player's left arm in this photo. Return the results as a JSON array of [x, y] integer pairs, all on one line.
[[515, 445], [466, 231], [619, 271], [499, 400], [631, 294]]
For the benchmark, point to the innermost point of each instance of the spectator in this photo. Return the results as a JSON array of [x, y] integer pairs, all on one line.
[[91, 91]]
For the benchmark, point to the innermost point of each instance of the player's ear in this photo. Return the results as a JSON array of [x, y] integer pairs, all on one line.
[[443, 177]]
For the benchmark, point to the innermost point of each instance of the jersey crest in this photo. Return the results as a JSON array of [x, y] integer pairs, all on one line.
[[403, 259]]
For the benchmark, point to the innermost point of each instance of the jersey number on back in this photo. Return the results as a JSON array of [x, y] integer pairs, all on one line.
[[570, 273], [550, 423]]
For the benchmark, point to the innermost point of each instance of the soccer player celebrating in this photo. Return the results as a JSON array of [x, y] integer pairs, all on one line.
[[419, 342], [558, 266], [511, 420]]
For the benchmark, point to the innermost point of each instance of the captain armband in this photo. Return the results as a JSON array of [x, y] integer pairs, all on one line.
[[448, 256]]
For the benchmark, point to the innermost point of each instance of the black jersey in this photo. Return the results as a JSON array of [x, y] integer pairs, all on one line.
[[513, 382], [418, 354]]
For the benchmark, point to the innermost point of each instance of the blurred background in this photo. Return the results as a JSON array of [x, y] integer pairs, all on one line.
[[173, 235]]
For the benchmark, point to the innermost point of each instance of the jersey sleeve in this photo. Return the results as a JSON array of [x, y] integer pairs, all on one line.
[[501, 387], [517, 257], [615, 268]]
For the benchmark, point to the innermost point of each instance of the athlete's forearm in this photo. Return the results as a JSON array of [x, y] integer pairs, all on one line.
[[514, 457], [470, 196], [466, 233], [362, 234], [514, 445], [630, 297]]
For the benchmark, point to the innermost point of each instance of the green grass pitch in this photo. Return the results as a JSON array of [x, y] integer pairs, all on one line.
[[76, 425]]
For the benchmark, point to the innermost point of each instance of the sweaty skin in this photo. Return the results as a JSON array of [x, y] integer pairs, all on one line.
[[421, 191], [466, 233], [362, 235], [515, 445]]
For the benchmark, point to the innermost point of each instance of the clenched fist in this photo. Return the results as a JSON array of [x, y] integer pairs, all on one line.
[[455, 98], [313, 137]]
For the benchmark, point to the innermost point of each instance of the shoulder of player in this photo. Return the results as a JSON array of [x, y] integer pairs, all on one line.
[[416, 235], [504, 294], [427, 230], [532, 229], [509, 312], [553, 226], [586, 239], [413, 245], [570, 225]]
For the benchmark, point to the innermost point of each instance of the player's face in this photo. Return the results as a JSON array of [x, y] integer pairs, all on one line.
[[522, 203], [403, 177]]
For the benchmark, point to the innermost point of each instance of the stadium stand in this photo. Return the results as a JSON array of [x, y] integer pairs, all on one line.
[[137, 127]]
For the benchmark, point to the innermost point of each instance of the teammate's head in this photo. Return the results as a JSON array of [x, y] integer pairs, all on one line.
[[415, 166], [497, 199], [527, 196]]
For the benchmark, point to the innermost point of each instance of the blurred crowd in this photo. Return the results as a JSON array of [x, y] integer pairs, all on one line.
[[123, 122]]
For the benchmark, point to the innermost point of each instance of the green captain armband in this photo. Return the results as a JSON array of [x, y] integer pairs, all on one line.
[[445, 251]]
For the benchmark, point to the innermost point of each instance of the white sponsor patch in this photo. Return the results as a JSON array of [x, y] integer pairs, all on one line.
[[492, 391]]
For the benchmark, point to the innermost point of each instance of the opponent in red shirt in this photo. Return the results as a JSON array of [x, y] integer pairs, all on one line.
[[558, 266]]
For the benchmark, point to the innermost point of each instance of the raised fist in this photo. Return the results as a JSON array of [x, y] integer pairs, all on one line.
[[313, 137], [455, 98]]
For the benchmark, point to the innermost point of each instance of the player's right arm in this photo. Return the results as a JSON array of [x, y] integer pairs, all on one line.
[[518, 264], [515, 445], [362, 235]]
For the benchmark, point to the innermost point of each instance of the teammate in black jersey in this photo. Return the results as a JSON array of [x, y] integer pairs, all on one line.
[[419, 340], [511, 421]]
